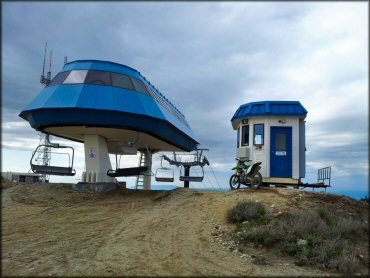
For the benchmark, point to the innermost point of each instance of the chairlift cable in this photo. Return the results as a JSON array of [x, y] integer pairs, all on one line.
[[215, 176], [209, 180]]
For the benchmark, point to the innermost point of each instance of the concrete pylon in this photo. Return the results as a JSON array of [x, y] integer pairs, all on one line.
[[147, 176], [96, 159]]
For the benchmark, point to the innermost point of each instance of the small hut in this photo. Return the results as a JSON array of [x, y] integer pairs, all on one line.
[[273, 132]]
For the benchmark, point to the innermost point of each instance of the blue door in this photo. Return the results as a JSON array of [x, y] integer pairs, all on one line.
[[281, 152]]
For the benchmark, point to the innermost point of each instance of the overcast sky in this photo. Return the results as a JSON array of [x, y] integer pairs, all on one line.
[[207, 58]]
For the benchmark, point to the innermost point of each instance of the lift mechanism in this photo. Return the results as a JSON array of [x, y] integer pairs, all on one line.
[[198, 160]]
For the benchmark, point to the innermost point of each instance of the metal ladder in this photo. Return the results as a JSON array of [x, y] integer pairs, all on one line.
[[140, 178]]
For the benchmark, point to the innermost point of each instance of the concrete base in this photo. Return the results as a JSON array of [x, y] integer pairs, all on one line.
[[96, 160], [103, 187]]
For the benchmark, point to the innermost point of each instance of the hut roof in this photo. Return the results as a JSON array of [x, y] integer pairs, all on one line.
[[270, 108]]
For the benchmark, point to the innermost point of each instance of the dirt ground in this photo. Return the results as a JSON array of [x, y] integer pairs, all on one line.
[[52, 230]]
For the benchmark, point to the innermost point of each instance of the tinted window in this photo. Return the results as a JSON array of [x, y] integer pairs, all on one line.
[[98, 77], [245, 135], [59, 78], [258, 134], [281, 142], [139, 86], [238, 138], [122, 81], [76, 76]]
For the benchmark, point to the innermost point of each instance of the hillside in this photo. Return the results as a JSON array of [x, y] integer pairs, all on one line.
[[49, 230]]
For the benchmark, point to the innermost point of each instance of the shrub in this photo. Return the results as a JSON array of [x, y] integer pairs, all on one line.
[[326, 233], [245, 211], [290, 247], [260, 234], [259, 259], [331, 254]]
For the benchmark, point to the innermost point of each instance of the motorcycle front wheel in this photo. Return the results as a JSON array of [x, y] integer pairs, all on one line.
[[257, 180], [234, 182]]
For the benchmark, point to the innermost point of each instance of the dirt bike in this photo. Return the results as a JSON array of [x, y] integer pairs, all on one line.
[[247, 174]]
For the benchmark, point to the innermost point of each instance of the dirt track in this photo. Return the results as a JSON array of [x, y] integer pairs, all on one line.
[[53, 230]]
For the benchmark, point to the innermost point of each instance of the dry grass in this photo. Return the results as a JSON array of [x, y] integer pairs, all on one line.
[[317, 237]]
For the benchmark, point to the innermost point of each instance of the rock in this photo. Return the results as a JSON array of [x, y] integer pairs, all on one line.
[[273, 206], [302, 242], [245, 222]]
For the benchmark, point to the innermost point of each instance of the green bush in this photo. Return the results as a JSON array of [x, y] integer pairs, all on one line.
[[290, 247], [245, 211], [317, 237]]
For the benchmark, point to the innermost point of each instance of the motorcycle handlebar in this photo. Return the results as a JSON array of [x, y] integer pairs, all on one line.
[[238, 159]]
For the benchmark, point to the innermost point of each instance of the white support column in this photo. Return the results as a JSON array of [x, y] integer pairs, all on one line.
[[148, 177], [96, 159]]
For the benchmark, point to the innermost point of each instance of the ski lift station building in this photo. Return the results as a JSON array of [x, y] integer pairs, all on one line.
[[273, 132]]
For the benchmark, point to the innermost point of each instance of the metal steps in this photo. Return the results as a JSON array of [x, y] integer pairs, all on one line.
[[140, 178]]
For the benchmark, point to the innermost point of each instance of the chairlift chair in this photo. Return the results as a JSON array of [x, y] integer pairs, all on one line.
[[53, 170], [164, 174], [192, 178], [127, 172]]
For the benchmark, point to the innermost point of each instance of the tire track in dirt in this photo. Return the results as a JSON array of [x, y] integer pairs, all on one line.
[[51, 229]]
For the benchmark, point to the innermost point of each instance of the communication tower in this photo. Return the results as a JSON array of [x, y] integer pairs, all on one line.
[[44, 155]]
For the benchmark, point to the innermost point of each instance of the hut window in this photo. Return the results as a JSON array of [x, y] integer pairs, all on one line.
[[59, 78], [122, 81], [258, 138], [139, 86], [245, 135], [280, 142], [76, 77], [238, 138], [98, 77]]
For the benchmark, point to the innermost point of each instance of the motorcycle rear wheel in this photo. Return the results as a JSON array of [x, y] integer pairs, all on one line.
[[234, 182], [257, 180]]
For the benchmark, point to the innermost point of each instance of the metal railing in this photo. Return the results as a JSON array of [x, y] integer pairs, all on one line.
[[161, 99], [324, 174]]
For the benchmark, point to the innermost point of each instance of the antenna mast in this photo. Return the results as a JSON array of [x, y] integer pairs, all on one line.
[[46, 80], [44, 153]]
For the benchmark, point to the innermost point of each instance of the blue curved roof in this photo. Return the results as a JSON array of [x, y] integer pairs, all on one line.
[[270, 108], [83, 104], [102, 65]]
